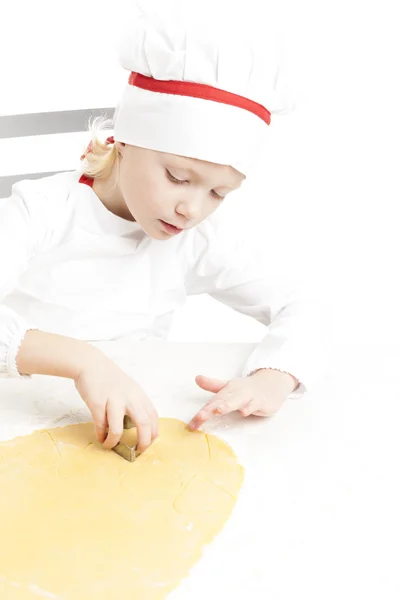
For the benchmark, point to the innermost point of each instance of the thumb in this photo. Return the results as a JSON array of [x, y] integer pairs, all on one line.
[[210, 383]]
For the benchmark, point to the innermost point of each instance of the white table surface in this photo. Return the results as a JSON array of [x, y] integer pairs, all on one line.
[[317, 517]]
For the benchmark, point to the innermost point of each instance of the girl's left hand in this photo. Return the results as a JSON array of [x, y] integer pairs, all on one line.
[[261, 394]]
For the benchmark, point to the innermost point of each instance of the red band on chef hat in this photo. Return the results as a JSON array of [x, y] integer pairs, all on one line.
[[199, 90]]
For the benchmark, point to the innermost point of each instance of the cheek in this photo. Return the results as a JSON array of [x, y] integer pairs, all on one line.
[[210, 207], [129, 181], [156, 196], [139, 190]]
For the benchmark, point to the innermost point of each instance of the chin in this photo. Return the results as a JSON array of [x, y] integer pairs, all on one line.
[[157, 234], [160, 236]]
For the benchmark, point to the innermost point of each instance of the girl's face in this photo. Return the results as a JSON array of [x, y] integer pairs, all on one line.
[[167, 193]]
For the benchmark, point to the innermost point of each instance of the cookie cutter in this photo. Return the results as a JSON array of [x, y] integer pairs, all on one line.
[[129, 453]]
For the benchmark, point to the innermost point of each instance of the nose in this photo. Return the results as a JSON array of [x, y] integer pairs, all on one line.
[[190, 207]]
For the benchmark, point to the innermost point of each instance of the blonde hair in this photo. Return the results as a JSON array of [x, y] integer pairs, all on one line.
[[99, 157]]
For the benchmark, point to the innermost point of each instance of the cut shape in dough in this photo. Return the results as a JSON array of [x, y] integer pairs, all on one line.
[[78, 522]]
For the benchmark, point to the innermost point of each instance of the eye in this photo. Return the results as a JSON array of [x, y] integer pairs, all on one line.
[[217, 196], [174, 179], [181, 181]]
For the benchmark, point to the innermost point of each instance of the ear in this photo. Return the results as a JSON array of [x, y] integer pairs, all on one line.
[[120, 148]]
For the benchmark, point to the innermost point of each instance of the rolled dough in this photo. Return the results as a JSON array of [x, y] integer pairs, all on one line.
[[81, 523]]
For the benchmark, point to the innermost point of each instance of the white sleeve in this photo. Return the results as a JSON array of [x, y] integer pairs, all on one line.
[[19, 239], [238, 273]]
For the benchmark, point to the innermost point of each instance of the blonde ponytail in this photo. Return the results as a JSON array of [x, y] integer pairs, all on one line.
[[99, 157]]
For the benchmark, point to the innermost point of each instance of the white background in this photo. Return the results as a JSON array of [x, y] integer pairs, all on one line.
[[326, 201], [326, 204]]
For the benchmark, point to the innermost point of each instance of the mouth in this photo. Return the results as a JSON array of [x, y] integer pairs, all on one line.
[[170, 228]]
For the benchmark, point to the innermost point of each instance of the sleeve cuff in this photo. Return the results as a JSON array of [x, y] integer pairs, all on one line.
[[257, 361], [299, 390], [10, 359]]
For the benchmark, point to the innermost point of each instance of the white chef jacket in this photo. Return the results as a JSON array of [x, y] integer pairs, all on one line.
[[70, 266]]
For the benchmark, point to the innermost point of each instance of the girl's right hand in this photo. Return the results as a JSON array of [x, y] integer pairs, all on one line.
[[109, 392], [110, 395]]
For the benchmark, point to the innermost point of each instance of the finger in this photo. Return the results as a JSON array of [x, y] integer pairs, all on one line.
[[154, 420], [250, 409], [211, 384], [100, 423], [220, 404], [228, 401], [101, 432], [143, 423], [263, 413], [115, 418], [201, 417]]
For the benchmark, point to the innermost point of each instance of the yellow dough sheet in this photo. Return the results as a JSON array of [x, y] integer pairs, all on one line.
[[78, 522]]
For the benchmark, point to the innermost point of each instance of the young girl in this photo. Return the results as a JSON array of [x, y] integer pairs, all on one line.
[[113, 249]]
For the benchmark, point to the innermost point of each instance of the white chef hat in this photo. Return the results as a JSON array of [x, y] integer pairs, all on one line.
[[202, 83]]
